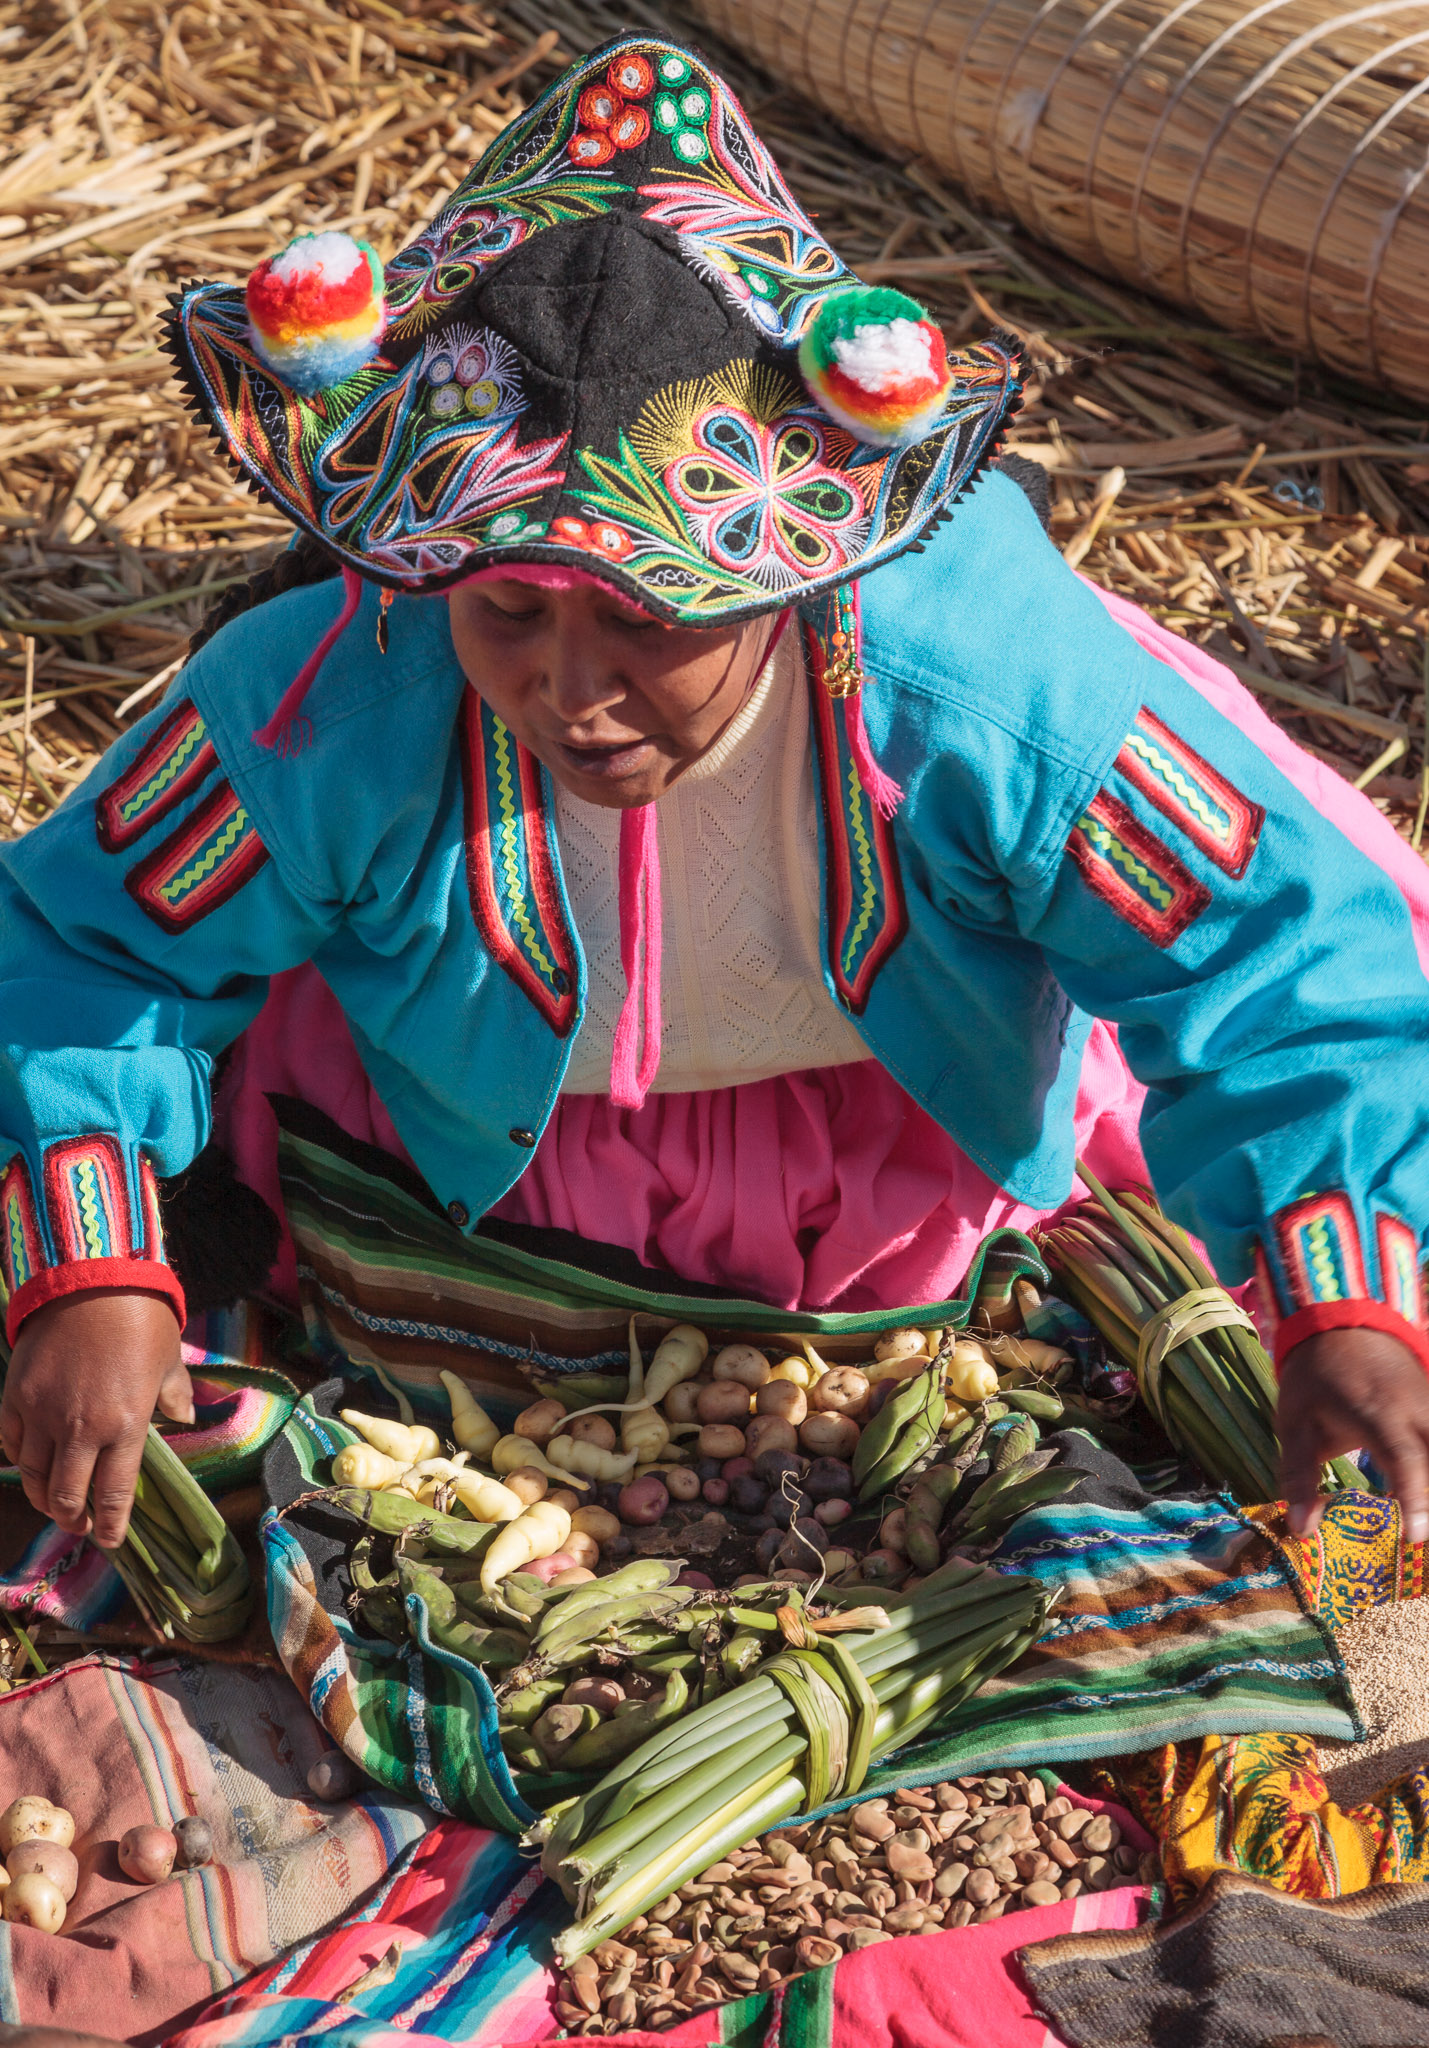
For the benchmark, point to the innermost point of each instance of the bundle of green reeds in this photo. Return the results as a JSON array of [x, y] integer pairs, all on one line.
[[179, 1560], [800, 1731], [1199, 1365]]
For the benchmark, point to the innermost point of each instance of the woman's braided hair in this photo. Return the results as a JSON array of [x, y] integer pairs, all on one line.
[[306, 561]]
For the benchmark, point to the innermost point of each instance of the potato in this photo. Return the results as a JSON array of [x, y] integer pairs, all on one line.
[[34, 1818], [722, 1440], [679, 1404], [146, 1853], [540, 1421], [643, 1501], [833, 1511], [843, 1390], [581, 1549], [743, 1363], [782, 1397], [883, 1568], [837, 1562], [33, 1901], [593, 1429], [527, 1484], [547, 1568], [598, 1523], [683, 1483], [565, 1497], [770, 1433], [723, 1401], [829, 1436], [578, 1575], [901, 1344], [333, 1776], [797, 1371], [604, 1694], [45, 1859], [195, 1839], [893, 1531]]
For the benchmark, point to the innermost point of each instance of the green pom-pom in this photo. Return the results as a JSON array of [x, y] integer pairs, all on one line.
[[844, 312]]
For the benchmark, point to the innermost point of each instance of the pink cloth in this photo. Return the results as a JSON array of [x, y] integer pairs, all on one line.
[[828, 1189]]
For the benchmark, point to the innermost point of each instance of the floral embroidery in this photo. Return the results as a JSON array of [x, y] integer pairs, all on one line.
[[201, 865], [1130, 869], [174, 763], [1319, 1245], [866, 912], [1209, 810], [511, 866], [426, 457]]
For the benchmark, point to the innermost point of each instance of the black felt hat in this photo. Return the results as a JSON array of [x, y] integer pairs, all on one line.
[[620, 346]]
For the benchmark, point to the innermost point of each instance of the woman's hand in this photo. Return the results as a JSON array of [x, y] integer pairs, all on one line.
[[86, 1375], [1349, 1390]]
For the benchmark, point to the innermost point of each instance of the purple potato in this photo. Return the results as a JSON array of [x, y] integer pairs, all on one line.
[[829, 1479]]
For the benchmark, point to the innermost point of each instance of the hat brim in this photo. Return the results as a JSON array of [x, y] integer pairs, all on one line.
[[726, 493]]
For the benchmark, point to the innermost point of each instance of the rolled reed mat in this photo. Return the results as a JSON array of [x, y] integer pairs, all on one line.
[[1264, 163]]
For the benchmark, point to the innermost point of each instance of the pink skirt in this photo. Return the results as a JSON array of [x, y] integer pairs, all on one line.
[[823, 1190]]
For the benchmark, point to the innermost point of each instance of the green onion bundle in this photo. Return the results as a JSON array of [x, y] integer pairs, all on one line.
[[1200, 1368], [179, 1560], [799, 1733]]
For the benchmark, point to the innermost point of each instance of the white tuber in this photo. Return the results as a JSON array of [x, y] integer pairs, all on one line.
[[472, 1427], [409, 1443]]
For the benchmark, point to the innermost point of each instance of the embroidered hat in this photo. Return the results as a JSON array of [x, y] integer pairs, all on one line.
[[593, 357]]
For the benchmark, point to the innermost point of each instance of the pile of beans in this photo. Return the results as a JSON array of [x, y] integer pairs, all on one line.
[[917, 1862]]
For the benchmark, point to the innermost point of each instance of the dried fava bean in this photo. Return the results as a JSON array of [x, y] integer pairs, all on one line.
[[1100, 1835], [980, 1887], [871, 1819], [950, 1880], [1040, 1893], [1069, 1825], [816, 1952]]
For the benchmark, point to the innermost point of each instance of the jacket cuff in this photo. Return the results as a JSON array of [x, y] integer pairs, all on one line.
[[134, 1276], [85, 1221], [1348, 1315]]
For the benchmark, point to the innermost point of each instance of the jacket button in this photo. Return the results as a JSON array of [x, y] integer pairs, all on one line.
[[561, 982], [459, 1214], [520, 1137]]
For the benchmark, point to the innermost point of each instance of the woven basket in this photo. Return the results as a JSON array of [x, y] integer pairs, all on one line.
[[1266, 164]]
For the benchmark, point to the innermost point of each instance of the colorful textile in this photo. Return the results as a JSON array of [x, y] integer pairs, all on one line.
[[390, 1289], [240, 1405], [633, 222], [1175, 1620], [467, 1977], [1257, 1802], [122, 1740], [92, 1220], [1245, 1967], [982, 1012]]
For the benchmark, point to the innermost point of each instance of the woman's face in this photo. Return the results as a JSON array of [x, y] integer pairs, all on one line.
[[616, 705]]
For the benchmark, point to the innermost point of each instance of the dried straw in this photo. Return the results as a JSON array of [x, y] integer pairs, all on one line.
[[146, 144], [1261, 165]]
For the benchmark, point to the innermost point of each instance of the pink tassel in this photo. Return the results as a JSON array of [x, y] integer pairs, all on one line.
[[881, 790], [286, 731], [639, 920]]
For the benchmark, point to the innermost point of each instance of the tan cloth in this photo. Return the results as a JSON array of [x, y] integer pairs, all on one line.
[[743, 994]]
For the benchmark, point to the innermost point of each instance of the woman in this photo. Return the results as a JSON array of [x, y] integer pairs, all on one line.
[[631, 486]]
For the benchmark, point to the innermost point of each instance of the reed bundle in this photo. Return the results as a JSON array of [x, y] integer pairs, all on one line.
[[1261, 164]]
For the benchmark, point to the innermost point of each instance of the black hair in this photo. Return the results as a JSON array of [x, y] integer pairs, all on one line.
[[306, 561]]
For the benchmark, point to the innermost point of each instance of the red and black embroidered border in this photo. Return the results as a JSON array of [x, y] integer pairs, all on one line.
[[174, 763], [201, 865], [1133, 872], [511, 868], [1185, 788]]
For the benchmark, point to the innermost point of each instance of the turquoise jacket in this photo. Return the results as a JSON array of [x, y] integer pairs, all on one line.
[[1081, 835]]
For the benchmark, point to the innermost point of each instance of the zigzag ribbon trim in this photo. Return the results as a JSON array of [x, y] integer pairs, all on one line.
[[22, 1249], [1319, 1244], [1185, 788], [175, 762], [201, 865], [1401, 1275], [866, 908], [1130, 869], [512, 875]]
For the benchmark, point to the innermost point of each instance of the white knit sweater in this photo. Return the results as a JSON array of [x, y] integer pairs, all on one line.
[[743, 993]]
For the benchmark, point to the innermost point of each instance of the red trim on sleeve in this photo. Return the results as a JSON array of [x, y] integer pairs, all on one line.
[[1356, 1314], [79, 1276]]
